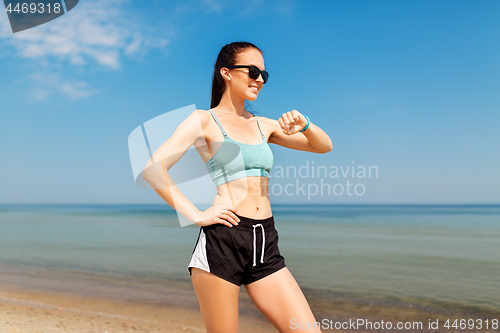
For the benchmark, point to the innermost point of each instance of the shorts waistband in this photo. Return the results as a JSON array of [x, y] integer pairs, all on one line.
[[247, 223]]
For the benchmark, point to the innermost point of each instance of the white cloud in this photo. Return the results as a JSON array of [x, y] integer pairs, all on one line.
[[55, 84], [100, 34], [93, 32]]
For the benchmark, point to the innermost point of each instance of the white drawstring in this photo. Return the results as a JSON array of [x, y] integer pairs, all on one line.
[[255, 244]]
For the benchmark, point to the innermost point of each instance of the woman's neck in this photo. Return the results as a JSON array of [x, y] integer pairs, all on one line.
[[232, 104]]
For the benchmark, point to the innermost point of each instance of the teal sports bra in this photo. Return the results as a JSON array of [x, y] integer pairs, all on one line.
[[235, 159]]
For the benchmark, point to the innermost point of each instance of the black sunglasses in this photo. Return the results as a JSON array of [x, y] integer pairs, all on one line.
[[253, 71]]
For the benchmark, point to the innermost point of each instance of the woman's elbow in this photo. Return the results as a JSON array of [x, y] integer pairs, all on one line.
[[327, 148], [150, 175]]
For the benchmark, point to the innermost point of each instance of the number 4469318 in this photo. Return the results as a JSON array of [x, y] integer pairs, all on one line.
[[471, 324], [34, 8]]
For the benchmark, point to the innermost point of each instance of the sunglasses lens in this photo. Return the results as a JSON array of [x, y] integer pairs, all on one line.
[[265, 76], [254, 73]]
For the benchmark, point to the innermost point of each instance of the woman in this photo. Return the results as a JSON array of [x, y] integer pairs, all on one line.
[[238, 243]]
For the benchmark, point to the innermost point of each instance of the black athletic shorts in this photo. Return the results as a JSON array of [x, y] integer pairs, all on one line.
[[238, 254]]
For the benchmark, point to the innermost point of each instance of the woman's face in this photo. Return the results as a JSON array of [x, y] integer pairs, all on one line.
[[239, 82]]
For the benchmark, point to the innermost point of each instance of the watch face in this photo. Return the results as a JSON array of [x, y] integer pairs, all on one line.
[[26, 14]]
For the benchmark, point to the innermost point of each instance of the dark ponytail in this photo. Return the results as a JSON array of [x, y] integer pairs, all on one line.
[[227, 57]]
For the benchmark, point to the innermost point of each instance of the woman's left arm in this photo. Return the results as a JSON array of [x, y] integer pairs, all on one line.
[[286, 132]]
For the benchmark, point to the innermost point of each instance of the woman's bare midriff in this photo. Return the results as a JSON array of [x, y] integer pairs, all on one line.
[[249, 196]]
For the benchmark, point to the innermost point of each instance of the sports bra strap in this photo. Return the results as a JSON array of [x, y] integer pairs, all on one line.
[[258, 122], [220, 126], [224, 132]]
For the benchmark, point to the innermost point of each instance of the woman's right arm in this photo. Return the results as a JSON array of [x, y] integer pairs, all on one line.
[[156, 174]]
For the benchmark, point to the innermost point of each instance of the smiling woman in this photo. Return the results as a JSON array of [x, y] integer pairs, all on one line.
[[238, 243]]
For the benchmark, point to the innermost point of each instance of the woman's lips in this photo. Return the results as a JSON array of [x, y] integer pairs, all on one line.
[[255, 89]]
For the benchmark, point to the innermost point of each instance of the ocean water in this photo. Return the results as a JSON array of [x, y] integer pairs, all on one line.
[[446, 255]]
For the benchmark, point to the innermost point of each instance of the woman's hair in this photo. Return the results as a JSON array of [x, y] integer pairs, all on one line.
[[228, 56]]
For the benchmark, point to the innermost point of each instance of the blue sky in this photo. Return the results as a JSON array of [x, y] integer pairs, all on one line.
[[410, 87]]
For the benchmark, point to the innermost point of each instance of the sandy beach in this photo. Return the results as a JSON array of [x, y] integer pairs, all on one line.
[[23, 312], [53, 300], [35, 312], [106, 269]]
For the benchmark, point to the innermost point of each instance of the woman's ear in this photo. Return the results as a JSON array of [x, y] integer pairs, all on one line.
[[224, 72]]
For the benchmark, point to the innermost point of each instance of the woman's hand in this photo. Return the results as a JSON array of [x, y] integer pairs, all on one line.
[[292, 122], [222, 214]]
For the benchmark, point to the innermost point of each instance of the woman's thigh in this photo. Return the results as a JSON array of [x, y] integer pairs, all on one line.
[[218, 300], [279, 298]]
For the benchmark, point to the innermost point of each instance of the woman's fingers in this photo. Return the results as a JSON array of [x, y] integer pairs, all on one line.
[[284, 118], [236, 218], [225, 222], [222, 221], [281, 122], [283, 125], [290, 118], [227, 215], [231, 218]]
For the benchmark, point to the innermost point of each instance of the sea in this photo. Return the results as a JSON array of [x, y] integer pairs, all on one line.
[[432, 255]]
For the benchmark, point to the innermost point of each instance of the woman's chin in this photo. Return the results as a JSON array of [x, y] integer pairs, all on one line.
[[251, 97]]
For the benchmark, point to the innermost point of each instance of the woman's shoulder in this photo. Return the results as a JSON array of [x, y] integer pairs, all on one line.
[[195, 119], [203, 115], [201, 111]]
